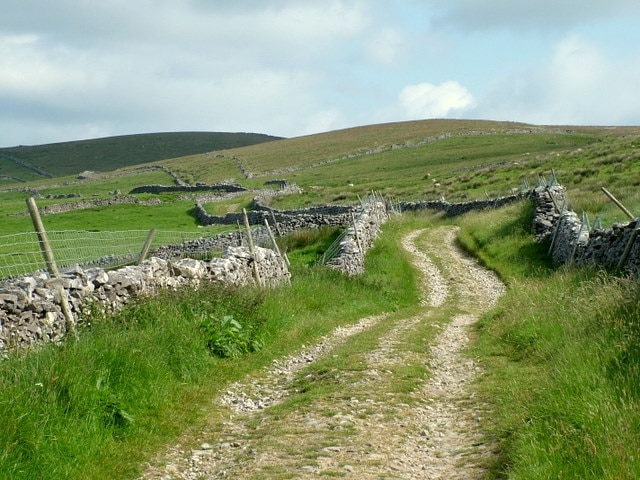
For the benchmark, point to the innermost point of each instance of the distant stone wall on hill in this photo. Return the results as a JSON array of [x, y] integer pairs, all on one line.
[[221, 187], [284, 221], [456, 209]]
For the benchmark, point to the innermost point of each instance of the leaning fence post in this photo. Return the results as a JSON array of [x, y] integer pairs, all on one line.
[[575, 245], [355, 233], [47, 253], [147, 246], [553, 200], [43, 239], [275, 244], [275, 223], [252, 249], [618, 203]]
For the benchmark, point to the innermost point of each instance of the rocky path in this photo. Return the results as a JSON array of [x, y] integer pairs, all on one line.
[[365, 427]]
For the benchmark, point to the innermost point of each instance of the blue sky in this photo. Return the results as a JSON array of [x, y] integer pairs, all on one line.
[[76, 69]]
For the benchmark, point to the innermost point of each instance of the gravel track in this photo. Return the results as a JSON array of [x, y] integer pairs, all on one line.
[[365, 432]]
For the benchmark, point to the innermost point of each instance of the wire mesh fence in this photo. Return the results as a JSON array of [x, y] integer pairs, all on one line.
[[20, 254]]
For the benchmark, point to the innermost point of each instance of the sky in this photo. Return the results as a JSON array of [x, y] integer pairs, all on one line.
[[79, 69]]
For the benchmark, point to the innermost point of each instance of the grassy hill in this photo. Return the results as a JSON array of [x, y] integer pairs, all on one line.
[[111, 153], [452, 159]]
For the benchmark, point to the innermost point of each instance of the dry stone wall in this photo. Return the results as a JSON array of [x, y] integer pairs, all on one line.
[[359, 238], [286, 220], [456, 209], [573, 242], [199, 187], [32, 311]]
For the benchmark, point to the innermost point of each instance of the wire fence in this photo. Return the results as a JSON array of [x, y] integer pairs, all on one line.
[[21, 254], [336, 247]]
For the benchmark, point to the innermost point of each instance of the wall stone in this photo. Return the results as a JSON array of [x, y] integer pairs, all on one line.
[[286, 220], [30, 307]]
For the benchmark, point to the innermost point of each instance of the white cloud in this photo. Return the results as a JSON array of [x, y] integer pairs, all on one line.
[[426, 100], [30, 68], [123, 67], [578, 84], [386, 47]]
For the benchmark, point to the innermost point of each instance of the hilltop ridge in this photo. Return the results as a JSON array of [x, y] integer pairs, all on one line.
[[110, 153]]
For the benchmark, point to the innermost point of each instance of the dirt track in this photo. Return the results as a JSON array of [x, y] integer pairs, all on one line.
[[365, 432]]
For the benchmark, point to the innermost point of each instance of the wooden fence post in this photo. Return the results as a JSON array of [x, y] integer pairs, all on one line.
[[252, 249], [355, 233], [43, 239], [557, 227], [627, 248], [147, 246], [618, 203], [275, 223], [275, 244], [49, 259]]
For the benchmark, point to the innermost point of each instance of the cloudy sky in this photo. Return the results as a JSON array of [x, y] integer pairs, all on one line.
[[76, 69]]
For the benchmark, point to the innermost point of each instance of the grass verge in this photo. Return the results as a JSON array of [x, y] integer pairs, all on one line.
[[98, 407], [562, 358]]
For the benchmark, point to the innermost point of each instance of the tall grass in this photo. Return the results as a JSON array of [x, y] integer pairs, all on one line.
[[562, 355], [98, 407]]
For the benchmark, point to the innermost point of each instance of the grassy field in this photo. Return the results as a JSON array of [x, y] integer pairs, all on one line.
[[562, 359]]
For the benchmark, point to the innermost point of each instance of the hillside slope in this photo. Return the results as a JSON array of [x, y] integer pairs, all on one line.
[[110, 153]]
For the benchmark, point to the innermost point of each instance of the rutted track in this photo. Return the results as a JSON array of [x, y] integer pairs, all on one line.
[[365, 432]]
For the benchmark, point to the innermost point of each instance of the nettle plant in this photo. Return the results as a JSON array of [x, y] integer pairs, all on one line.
[[226, 337]]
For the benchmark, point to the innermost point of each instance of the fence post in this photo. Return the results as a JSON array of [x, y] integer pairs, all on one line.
[[627, 248], [47, 253], [252, 249], [147, 246], [557, 228], [43, 239], [275, 223], [553, 200], [275, 244], [575, 245], [618, 203]]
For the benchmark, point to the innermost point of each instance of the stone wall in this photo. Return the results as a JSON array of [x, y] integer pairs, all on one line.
[[359, 238], [200, 187], [573, 242], [287, 221], [456, 209], [31, 308]]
